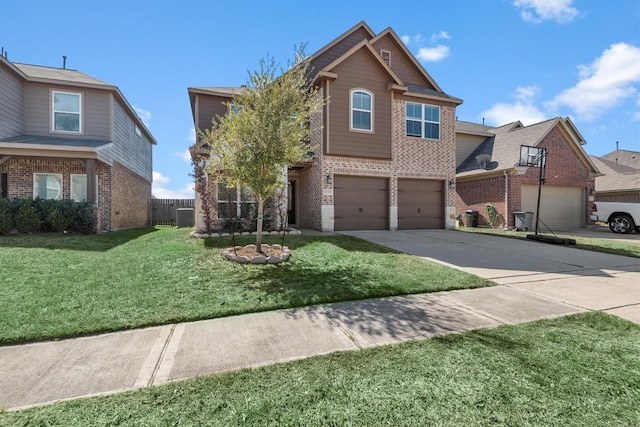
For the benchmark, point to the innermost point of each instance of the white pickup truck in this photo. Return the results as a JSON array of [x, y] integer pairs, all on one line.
[[621, 217]]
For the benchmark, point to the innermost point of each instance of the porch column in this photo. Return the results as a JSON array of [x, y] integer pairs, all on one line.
[[91, 181]]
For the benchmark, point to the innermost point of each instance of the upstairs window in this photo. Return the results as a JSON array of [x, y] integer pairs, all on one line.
[[422, 120], [67, 109], [235, 108], [361, 110]]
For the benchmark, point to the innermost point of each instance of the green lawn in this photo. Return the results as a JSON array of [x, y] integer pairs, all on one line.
[[55, 286], [581, 370], [616, 247]]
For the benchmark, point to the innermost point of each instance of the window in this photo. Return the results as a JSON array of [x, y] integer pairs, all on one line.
[[243, 203], [137, 130], [47, 186], [423, 121], [235, 108], [361, 110], [79, 187], [66, 112]]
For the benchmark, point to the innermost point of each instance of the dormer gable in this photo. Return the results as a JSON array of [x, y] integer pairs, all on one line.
[[402, 61]]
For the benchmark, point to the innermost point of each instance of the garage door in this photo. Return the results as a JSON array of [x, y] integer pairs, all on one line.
[[361, 203], [560, 207], [420, 204]]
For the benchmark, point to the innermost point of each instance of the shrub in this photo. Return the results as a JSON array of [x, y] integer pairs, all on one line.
[[6, 217], [27, 220], [58, 220]]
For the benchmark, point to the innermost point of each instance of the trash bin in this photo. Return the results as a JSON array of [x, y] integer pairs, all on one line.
[[523, 220], [528, 220], [185, 217], [472, 218]]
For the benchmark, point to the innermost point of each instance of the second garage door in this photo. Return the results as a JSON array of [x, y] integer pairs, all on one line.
[[360, 203], [420, 204], [560, 207]]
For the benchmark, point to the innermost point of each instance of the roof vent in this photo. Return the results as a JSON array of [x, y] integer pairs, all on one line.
[[386, 56]]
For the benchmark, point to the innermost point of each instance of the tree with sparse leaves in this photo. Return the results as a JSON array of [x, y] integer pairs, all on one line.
[[268, 129]]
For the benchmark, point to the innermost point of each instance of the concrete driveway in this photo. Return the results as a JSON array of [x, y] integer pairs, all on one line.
[[585, 279]]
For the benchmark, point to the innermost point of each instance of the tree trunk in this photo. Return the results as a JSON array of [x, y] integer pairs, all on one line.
[[259, 225]]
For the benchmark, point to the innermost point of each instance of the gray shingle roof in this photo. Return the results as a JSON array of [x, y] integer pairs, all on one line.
[[504, 145], [45, 140], [62, 74], [618, 177], [624, 157]]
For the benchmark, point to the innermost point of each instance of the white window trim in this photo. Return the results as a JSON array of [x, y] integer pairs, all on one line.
[[137, 131], [423, 120], [352, 109], [53, 113], [238, 202], [71, 186], [59, 175]]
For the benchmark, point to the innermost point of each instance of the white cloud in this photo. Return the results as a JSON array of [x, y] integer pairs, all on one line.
[[522, 109], [144, 115], [603, 84], [184, 155], [160, 192], [192, 136], [537, 11], [433, 54], [405, 39], [441, 35]]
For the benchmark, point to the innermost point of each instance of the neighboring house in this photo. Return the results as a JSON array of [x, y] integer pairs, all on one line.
[[66, 135], [385, 157], [621, 180], [490, 181]]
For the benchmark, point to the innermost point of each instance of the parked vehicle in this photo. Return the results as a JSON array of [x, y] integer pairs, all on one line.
[[621, 217]]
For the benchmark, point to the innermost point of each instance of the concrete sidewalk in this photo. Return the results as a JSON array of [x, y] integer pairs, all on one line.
[[535, 281]]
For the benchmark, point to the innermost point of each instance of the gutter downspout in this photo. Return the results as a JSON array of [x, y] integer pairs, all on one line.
[[506, 198]]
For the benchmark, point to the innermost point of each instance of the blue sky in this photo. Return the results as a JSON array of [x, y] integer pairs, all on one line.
[[508, 60]]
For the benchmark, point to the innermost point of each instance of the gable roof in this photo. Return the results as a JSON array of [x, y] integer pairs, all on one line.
[[503, 145], [617, 177], [73, 78], [325, 70], [412, 59]]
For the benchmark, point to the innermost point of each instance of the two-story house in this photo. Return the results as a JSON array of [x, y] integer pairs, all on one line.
[[385, 158], [66, 135]]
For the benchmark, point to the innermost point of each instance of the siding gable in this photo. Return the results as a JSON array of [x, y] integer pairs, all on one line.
[[402, 65], [324, 58], [11, 103], [362, 71]]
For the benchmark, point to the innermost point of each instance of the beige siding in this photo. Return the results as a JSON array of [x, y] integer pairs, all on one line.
[[11, 103], [96, 111], [465, 145], [359, 71]]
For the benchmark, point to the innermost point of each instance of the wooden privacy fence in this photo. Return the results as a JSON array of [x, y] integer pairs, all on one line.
[[163, 211]]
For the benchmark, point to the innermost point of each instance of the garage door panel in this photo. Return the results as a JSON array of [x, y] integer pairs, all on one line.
[[361, 203], [560, 207], [420, 204]]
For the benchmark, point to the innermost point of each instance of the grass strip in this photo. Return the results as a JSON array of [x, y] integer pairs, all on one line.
[[580, 370]]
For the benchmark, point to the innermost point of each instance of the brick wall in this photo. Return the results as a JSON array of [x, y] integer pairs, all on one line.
[[130, 195], [625, 197], [564, 167]]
